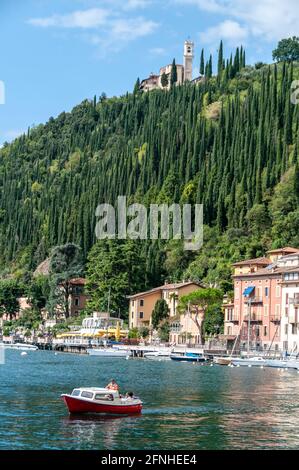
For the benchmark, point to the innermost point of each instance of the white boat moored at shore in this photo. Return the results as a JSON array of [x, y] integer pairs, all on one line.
[[283, 364], [158, 355], [249, 361], [19, 346], [108, 352]]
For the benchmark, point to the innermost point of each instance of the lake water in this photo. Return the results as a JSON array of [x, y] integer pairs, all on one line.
[[186, 406]]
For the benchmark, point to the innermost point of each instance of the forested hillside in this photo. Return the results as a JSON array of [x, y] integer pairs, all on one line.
[[231, 142]]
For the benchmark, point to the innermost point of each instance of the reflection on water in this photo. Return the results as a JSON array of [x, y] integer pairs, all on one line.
[[185, 406]]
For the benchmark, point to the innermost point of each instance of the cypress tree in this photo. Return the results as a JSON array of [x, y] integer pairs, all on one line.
[[173, 75], [202, 63]]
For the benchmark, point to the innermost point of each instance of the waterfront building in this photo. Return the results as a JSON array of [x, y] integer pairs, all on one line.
[[182, 327], [99, 327], [256, 313], [290, 304]]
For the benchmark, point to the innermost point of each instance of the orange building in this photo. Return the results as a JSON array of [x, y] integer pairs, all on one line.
[[143, 303], [256, 311]]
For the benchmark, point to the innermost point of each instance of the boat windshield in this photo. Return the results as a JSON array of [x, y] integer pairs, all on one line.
[[86, 394], [75, 393]]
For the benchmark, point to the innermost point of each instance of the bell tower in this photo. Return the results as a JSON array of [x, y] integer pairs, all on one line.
[[188, 60]]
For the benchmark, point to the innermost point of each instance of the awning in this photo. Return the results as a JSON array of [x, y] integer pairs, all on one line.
[[248, 291]]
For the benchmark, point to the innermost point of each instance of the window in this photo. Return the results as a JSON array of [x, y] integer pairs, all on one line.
[[140, 314], [132, 303], [277, 291], [104, 396], [265, 331], [287, 299], [132, 315], [75, 393], [267, 291], [141, 303], [277, 310], [294, 329], [77, 301], [266, 310], [286, 329], [87, 394]]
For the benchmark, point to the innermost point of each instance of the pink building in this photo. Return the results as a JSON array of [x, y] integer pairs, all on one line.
[[256, 311]]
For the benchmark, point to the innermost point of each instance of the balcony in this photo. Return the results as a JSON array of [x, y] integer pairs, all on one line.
[[253, 317], [233, 318], [275, 318], [254, 300]]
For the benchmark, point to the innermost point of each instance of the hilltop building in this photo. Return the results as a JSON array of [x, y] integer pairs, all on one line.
[[184, 72]]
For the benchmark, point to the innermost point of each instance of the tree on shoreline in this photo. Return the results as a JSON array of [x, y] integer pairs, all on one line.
[[10, 291], [160, 313], [197, 303]]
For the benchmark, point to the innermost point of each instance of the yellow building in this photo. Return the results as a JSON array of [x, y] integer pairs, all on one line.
[[143, 303]]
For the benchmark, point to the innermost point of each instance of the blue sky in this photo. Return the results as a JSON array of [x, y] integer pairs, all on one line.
[[55, 53]]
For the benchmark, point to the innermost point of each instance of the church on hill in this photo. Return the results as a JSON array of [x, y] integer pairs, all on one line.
[[184, 72]]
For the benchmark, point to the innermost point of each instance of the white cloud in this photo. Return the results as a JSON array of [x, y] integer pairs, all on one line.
[[92, 18], [230, 31], [112, 29], [270, 19], [121, 32], [128, 29], [158, 51], [212, 6], [134, 4]]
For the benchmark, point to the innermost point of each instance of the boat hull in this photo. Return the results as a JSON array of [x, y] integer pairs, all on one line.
[[222, 361], [278, 364], [77, 405], [187, 359], [158, 356], [19, 346], [249, 362], [108, 352]]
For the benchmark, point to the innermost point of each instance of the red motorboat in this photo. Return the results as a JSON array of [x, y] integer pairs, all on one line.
[[101, 400]]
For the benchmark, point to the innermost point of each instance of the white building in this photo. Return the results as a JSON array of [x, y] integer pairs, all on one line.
[[290, 304]]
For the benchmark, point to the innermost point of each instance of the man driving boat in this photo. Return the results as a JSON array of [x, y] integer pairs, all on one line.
[[112, 385]]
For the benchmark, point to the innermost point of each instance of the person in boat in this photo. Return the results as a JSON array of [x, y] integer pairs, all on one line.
[[112, 385], [129, 396]]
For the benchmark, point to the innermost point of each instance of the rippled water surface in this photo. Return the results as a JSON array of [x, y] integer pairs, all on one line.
[[186, 406]]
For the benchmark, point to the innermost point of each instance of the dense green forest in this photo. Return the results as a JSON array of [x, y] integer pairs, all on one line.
[[230, 142]]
